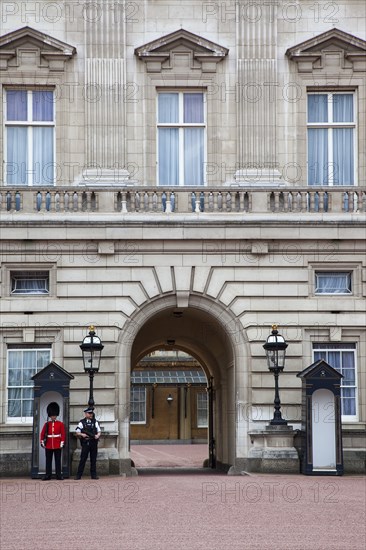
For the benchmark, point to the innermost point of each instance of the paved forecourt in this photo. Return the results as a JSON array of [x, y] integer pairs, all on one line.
[[195, 510]]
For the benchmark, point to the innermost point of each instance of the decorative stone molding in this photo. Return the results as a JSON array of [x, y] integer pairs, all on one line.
[[181, 49], [331, 48], [28, 48]]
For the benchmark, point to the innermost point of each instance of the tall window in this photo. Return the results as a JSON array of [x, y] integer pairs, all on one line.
[[22, 365], [138, 405], [30, 129], [202, 418], [181, 138], [342, 358], [331, 139]]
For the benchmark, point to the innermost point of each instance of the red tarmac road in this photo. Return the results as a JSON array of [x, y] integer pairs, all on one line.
[[184, 511]]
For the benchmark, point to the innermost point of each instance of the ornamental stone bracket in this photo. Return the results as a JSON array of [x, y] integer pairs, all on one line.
[[181, 50], [27, 49], [333, 48]]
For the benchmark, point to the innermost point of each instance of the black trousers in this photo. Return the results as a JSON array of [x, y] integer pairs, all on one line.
[[88, 447], [49, 455]]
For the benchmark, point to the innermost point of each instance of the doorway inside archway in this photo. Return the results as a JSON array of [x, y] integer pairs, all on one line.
[[170, 417]]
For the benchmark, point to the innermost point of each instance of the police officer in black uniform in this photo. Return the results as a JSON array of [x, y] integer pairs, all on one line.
[[88, 430]]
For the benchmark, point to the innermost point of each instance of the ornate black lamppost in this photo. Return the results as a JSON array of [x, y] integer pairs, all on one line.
[[276, 352], [92, 352]]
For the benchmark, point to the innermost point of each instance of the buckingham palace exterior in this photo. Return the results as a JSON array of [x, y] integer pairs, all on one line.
[[183, 175]]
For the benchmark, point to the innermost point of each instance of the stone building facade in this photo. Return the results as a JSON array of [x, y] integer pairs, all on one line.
[[187, 172]]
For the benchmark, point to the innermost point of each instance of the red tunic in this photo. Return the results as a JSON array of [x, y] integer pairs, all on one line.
[[55, 434]]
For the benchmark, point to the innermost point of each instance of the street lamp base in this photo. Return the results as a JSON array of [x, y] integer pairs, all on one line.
[[278, 422]]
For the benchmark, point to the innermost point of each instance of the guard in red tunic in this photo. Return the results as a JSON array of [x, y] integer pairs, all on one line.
[[53, 437]]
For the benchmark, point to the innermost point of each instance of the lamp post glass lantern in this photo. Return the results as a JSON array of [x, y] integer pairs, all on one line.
[[91, 348], [275, 347]]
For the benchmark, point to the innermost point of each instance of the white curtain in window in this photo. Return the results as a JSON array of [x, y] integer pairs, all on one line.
[[168, 156], [318, 163], [344, 362], [30, 286], [193, 108], [168, 108], [343, 156], [333, 283], [343, 108], [14, 383], [43, 166], [16, 105], [22, 365], [193, 156], [42, 105], [317, 108], [17, 156]]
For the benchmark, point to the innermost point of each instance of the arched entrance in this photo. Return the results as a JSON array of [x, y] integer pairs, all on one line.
[[212, 335]]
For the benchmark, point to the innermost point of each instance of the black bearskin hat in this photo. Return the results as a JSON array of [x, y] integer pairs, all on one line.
[[53, 409]]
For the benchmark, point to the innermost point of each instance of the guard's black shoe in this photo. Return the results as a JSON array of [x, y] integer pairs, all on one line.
[[77, 477], [46, 478], [94, 477], [60, 478]]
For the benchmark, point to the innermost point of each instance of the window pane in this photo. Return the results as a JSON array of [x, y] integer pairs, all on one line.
[[27, 408], [193, 108], [168, 108], [317, 108], [43, 359], [202, 417], [343, 165], [15, 359], [193, 156], [30, 282], [343, 108], [333, 283], [14, 377], [168, 156], [138, 404], [43, 165], [17, 156], [318, 156], [16, 105], [43, 106], [14, 408]]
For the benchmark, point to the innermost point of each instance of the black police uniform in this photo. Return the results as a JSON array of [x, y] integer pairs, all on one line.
[[89, 445]]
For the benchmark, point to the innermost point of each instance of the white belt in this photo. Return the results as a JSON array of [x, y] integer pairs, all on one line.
[[59, 435]]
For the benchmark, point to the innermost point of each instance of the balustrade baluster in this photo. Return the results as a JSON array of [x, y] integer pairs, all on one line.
[[219, 201]]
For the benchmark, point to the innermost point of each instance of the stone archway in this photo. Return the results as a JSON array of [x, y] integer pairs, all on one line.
[[209, 333]]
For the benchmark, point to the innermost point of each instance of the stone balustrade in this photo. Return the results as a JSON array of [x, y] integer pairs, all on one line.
[[183, 200]]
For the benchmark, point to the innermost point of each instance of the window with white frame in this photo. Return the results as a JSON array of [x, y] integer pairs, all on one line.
[[138, 405], [30, 282], [30, 137], [342, 357], [23, 363], [333, 282], [331, 124], [181, 138], [202, 416]]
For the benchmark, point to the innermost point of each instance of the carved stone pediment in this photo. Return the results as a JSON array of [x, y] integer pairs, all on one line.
[[181, 50], [27, 49], [332, 49]]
